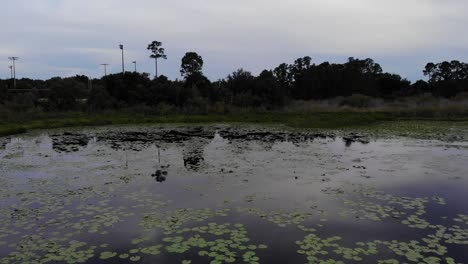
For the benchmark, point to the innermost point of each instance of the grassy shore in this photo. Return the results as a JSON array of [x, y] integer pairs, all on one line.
[[318, 120]]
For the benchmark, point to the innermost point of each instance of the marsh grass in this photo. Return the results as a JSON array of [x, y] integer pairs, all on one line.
[[338, 118]]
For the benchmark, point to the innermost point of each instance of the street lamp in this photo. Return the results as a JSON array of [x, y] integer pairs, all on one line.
[[134, 62], [123, 67], [90, 83], [11, 71], [105, 68], [14, 69]]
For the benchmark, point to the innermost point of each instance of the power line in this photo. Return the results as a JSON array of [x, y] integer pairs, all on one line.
[[105, 68], [90, 83], [123, 64], [14, 69]]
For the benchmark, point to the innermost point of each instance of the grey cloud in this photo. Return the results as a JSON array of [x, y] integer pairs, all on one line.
[[253, 34]]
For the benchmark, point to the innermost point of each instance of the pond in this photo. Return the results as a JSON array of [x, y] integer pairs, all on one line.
[[230, 194]]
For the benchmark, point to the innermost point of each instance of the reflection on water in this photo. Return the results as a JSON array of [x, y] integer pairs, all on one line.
[[193, 155], [231, 195], [159, 175]]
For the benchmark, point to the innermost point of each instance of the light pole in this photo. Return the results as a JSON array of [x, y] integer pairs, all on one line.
[[123, 64], [11, 71], [134, 62], [105, 68], [14, 69], [90, 83]]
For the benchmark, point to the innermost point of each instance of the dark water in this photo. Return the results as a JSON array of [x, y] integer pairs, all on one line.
[[230, 195]]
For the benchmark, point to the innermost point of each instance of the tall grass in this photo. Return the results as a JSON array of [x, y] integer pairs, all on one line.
[[301, 114]]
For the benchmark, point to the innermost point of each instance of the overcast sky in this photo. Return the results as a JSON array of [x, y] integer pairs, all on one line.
[[69, 37]]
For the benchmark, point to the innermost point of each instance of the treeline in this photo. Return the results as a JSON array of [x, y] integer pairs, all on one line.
[[271, 89]]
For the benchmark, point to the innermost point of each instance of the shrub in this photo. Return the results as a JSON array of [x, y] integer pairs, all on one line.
[[165, 109], [219, 108], [99, 99], [4, 113], [357, 100], [21, 103]]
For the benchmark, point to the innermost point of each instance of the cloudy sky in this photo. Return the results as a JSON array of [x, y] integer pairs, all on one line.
[[69, 37]]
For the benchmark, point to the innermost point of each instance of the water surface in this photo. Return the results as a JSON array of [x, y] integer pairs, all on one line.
[[230, 195]]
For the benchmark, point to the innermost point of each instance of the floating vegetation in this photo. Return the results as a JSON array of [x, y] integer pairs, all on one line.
[[173, 220], [107, 255], [317, 249], [439, 200], [233, 244], [370, 210], [461, 219], [222, 243], [79, 203], [388, 261], [430, 249], [37, 249], [281, 218]]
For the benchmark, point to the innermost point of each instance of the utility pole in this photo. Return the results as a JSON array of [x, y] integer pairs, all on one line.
[[11, 71], [134, 62], [123, 64], [90, 83], [14, 69], [105, 68]]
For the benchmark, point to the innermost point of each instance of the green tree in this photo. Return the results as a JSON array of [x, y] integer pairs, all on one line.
[[283, 76], [447, 78], [100, 99], [158, 53], [240, 82], [429, 70], [192, 63], [64, 93]]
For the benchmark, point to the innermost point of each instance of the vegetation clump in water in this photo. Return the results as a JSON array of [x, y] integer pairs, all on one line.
[[57, 206]]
